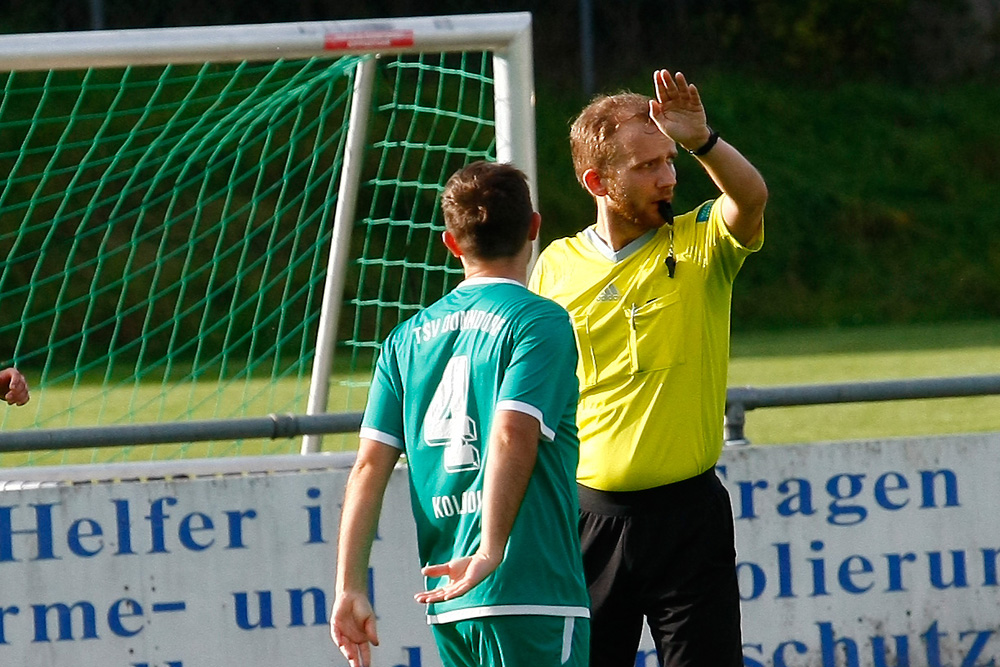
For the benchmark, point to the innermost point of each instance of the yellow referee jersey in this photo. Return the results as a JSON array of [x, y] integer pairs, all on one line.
[[654, 349]]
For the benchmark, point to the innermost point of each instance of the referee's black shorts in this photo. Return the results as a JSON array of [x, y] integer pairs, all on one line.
[[666, 554]]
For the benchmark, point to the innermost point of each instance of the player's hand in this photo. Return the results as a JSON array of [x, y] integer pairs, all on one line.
[[352, 628], [463, 574], [678, 111], [13, 387]]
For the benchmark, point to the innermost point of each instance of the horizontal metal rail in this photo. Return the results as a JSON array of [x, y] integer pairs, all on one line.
[[272, 426], [741, 399]]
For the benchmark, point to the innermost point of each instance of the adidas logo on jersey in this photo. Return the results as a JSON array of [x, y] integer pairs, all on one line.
[[609, 293]]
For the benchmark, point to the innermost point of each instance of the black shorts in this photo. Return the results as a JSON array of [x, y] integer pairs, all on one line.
[[666, 554]]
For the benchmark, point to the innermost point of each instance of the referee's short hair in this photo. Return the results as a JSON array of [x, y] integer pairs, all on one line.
[[592, 134]]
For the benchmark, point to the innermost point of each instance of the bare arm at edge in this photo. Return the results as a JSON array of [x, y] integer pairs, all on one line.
[[352, 620]]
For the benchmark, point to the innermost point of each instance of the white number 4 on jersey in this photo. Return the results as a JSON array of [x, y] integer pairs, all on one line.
[[447, 423]]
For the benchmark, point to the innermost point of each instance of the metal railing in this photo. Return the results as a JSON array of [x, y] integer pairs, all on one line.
[[272, 426], [739, 400]]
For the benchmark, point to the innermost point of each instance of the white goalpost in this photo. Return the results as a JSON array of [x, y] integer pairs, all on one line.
[[188, 210]]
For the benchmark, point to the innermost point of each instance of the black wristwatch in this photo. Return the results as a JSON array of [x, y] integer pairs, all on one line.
[[713, 138]]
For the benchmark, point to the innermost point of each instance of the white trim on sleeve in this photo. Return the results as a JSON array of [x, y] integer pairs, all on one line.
[[380, 436], [531, 411]]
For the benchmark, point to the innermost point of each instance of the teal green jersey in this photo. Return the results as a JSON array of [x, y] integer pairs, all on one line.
[[488, 345]]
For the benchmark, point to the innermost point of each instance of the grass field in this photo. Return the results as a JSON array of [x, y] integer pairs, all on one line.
[[758, 359], [83, 404], [868, 353]]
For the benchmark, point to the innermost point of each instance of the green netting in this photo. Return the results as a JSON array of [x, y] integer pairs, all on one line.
[[164, 233], [432, 116]]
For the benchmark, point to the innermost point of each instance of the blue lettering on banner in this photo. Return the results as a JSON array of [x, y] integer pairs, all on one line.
[[61, 621], [891, 491], [315, 520], [127, 618], [804, 569], [976, 648], [815, 564], [792, 574], [412, 657], [259, 616], [646, 658], [33, 534]]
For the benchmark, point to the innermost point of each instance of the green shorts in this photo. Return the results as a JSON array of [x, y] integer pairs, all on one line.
[[514, 641]]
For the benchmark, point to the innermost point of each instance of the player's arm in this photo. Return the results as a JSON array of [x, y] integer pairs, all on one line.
[[512, 451], [679, 113], [13, 387], [352, 622]]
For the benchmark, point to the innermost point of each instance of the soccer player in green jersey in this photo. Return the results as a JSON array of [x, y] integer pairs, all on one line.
[[480, 392], [650, 297]]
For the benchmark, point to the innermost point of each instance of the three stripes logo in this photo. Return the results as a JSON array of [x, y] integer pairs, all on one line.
[[609, 293]]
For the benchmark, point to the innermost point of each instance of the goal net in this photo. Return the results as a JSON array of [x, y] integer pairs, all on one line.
[[206, 223]]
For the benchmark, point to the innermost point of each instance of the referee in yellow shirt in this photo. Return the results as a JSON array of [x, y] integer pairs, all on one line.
[[649, 295]]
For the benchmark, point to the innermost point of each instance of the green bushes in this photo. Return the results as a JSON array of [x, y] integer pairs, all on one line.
[[880, 147], [882, 204]]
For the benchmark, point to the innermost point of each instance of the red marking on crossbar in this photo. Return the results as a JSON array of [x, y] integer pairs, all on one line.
[[367, 40]]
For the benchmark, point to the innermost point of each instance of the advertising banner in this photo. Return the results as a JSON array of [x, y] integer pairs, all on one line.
[[231, 570], [869, 553], [861, 553]]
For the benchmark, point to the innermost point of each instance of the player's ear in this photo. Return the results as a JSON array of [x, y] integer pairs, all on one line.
[[594, 183], [536, 224], [451, 244]]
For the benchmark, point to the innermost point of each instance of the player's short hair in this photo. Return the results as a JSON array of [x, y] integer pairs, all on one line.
[[487, 208], [591, 134]]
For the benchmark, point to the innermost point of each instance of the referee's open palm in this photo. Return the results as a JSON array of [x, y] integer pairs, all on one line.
[[677, 109]]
